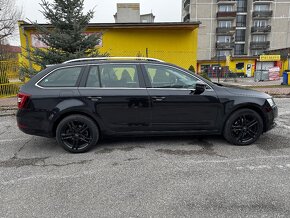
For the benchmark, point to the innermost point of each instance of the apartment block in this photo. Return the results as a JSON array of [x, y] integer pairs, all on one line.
[[239, 27]]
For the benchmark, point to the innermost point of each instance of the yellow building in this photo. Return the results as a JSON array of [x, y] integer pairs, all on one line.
[[246, 65], [239, 65], [172, 42]]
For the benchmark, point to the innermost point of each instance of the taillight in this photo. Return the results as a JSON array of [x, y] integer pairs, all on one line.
[[22, 100]]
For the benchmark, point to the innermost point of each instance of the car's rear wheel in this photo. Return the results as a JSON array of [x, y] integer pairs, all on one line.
[[243, 127], [77, 133]]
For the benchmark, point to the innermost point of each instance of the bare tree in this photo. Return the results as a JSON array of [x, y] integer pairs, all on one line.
[[9, 14]]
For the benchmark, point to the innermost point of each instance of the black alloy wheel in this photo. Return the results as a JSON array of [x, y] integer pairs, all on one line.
[[243, 127], [77, 133]]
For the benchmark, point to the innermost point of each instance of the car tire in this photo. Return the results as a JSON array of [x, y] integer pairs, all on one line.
[[77, 133], [243, 127]]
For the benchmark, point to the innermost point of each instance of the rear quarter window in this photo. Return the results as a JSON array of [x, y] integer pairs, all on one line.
[[64, 77]]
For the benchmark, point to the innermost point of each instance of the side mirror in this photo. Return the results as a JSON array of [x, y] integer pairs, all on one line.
[[199, 88]]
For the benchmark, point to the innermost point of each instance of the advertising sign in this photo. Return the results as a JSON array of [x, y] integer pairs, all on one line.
[[270, 57]]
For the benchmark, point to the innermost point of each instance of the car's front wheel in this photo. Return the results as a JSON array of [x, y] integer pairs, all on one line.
[[77, 133], [243, 127]]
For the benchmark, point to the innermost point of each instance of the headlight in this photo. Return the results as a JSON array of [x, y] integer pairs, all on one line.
[[271, 102]]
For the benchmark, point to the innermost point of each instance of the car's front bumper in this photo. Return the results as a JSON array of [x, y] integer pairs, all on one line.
[[271, 116]]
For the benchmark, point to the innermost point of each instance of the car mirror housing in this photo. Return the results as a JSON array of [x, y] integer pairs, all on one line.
[[199, 88]]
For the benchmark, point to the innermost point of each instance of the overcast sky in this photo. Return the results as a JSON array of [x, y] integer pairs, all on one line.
[[164, 10]]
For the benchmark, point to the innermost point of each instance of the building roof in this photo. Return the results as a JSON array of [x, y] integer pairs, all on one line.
[[11, 48], [278, 51], [158, 25]]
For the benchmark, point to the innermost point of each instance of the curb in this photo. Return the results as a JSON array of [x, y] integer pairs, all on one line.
[[8, 111], [279, 96], [5, 113]]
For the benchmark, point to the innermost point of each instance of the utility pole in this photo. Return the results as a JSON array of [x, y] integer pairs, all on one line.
[[218, 59]]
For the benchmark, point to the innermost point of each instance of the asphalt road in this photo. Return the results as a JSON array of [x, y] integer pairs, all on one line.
[[146, 177]]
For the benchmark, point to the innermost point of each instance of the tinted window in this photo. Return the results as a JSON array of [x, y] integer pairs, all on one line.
[[65, 77], [167, 77], [93, 78], [123, 75]]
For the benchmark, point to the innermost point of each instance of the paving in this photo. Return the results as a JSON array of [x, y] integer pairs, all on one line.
[[146, 177], [8, 106], [8, 102]]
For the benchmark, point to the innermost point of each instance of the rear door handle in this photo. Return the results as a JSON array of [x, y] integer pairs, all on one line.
[[158, 98], [93, 98]]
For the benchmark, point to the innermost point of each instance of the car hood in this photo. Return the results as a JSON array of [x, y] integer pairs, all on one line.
[[246, 92]]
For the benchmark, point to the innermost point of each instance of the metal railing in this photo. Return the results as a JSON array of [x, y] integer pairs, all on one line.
[[260, 45], [224, 45], [223, 30], [9, 78], [263, 1], [262, 14], [231, 14], [263, 29], [9, 89], [226, 1]]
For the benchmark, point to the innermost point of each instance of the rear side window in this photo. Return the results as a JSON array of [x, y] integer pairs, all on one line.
[[64, 77], [93, 78], [113, 76]]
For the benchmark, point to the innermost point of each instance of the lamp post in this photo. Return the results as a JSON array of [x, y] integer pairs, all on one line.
[[218, 59]]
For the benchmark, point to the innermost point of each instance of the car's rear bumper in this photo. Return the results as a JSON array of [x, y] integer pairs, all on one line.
[[32, 124]]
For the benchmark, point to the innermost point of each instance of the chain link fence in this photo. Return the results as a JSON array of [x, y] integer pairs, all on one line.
[[269, 80], [9, 78]]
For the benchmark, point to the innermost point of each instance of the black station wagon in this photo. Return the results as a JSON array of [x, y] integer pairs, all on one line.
[[80, 100]]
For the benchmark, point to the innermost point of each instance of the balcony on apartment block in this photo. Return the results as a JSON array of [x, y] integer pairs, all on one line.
[[225, 30], [260, 45], [261, 29], [224, 45]]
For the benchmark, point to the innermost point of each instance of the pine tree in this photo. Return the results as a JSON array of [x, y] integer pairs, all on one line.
[[65, 38], [191, 68]]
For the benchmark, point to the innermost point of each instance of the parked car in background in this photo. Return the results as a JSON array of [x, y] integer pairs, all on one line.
[[81, 100]]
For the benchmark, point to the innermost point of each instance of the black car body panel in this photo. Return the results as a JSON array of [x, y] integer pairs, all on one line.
[[141, 110]]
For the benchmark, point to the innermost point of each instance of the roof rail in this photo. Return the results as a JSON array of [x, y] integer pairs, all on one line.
[[112, 58]]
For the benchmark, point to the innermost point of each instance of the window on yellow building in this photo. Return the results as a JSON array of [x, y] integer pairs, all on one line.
[[240, 66]]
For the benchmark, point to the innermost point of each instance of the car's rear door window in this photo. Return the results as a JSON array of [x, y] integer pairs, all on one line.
[[114, 76], [63, 77]]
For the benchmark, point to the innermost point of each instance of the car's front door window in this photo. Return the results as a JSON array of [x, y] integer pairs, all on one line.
[[169, 77]]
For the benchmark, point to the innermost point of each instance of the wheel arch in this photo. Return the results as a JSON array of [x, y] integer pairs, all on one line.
[[69, 113], [253, 107]]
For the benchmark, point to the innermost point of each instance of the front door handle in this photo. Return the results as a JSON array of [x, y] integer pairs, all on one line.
[[94, 98], [158, 98]]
